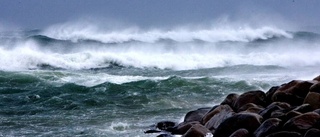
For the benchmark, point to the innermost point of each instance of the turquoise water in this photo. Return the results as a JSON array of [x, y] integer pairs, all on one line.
[[57, 84]]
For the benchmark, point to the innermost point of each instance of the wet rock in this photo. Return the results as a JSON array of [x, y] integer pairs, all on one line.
[[218, 109], [313, 98], [240, 133], [313, 132], [248, 121], [267, 127], [302, 122], [224, 112], [250, 107], [315, 87], [293, 92], [285, 134], [270, 93], [275, 106], [304, 108], [257, 97], [317, 78], [230, 99], [182, 128], [196, 130], [165, 125], [196, 115]]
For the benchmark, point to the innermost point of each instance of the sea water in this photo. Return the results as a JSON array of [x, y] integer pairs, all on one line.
[[73, 80]]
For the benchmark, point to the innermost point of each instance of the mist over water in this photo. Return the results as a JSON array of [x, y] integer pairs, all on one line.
[[74, 46], [80, 79]]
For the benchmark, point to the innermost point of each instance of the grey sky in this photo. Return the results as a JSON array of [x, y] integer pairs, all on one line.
[[43, 13]]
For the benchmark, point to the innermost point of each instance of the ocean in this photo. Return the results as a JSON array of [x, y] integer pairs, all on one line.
[[84, 80]]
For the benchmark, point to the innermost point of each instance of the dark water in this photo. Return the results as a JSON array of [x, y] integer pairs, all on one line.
[[75, 82]]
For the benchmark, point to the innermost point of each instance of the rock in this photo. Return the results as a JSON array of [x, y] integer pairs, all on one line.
[[269, 126], [275, 106], [196, 130], [164, 135], [285, 134], [313, 98], [270, 93], [248, 121], [315, 87], [240, 133], [302, 122], [317, 78], [313, 132], [230, 99], [165, 125], [257, 97], [250, 107], [218, 109], [293, 92], [292, 114], [317, 111], [182, 128], [304, 108], [196, 115], [224, 112]]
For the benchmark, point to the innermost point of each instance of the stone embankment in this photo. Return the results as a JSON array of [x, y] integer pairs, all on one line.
[[291, 109]]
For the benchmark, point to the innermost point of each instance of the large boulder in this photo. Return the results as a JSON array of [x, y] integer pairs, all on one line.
[[216, 110], [197, 130], [273, 107], [317, 78], [248, 121], [313, 132], [240, 133], [224, 112], [285, 134], [256, 97], [313, 98], [315, 87], [270, 93], [182, 128], [230, 99], [196, 115], [267, 127], [250, 107], [293, 92], [302, 122]]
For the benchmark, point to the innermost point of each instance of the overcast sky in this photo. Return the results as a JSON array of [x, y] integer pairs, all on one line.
[[42, 13]]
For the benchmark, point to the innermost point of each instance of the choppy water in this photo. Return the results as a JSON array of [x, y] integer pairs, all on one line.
[[84, 81]]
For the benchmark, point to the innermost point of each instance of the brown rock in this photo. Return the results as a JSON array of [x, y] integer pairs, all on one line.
[[219, 117], [304, 108], [257, 97], [240, 133], [182, 128], [250, 107], [302, 122], [196, 115], [285, 134], [313, 98], [313, 132], [210, 114], [293, 92], [317, 78], [273, 107], [267, 127], [270, 93], [230, 99], [315, 87], [196, 130], [248, 121]]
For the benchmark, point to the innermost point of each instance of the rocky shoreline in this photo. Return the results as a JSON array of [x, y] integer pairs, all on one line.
[[291, 109]]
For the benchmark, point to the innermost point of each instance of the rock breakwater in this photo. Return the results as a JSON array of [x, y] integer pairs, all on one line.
[[291, 109]]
